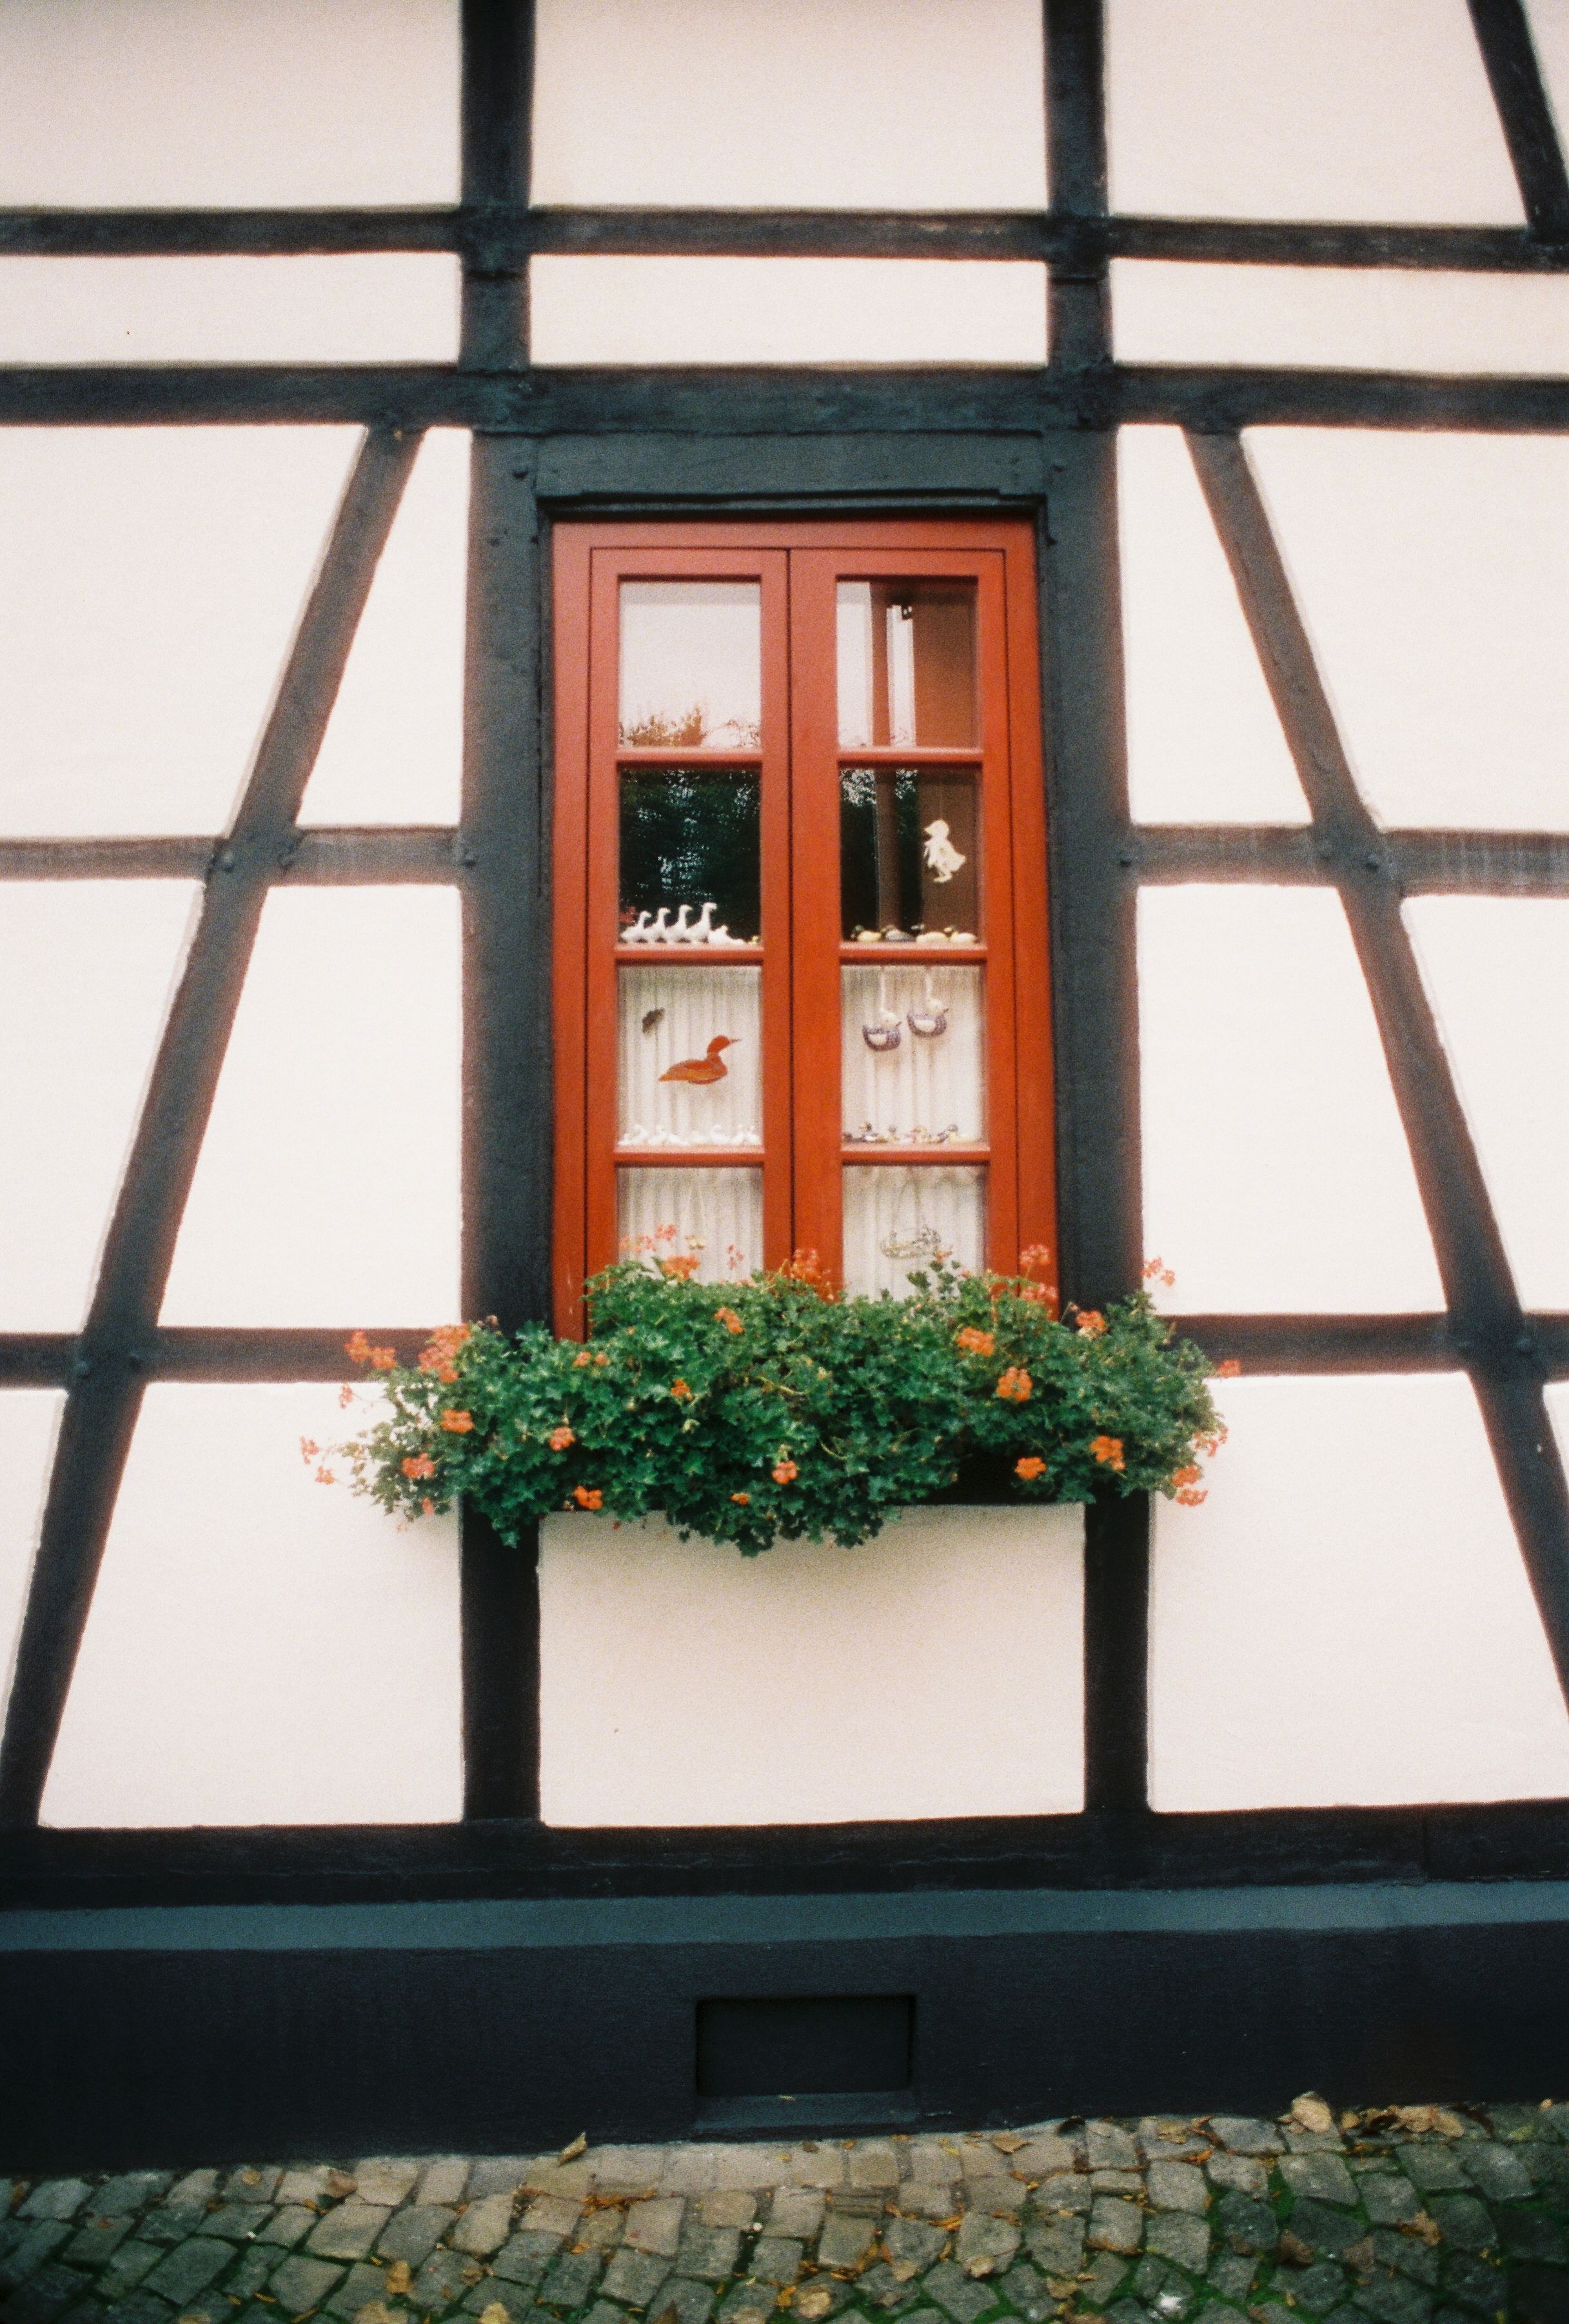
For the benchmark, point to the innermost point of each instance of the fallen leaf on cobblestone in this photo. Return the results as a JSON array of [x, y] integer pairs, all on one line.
[[341, 2182], [1424, 2225], [1349, 2121], [574, 2148], [982, 2265], [472, 2271], [494, 2313], [1449, 2125], [1309, 2112], [1362, 2256], [400, 2276], [1008, 2142], [815, 2302], [1418, 2119], [1293, 2248]]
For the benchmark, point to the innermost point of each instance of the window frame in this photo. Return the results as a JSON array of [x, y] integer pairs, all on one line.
[[797, 565]]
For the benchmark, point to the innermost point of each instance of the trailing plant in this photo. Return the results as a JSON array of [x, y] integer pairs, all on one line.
[[773, 1408]]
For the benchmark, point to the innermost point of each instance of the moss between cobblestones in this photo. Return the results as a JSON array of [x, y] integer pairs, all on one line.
[[1415, 2217]]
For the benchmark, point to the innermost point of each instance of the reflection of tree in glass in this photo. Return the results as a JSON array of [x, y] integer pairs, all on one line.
[[687, 835], [880, 847], [689, 730]]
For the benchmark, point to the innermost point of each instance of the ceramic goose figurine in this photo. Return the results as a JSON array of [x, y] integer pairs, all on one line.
[[703, 927], [681, 933]]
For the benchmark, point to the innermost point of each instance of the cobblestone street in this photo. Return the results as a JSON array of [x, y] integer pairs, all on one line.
[[1412, 2215]]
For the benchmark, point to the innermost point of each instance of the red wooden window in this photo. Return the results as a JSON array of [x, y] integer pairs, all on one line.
[[802, 998]]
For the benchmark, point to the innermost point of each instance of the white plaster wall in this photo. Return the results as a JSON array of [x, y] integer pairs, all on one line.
[[86, 972], [851, 104], [1373, 109], [160, 102], [1346, 1621], [1205, 744], [28, 1425], [1277, 1177], [366, 306], [764, 310], [326, 1188], [936, 1670], [261, 1649], [1354, 318], [151, 580]]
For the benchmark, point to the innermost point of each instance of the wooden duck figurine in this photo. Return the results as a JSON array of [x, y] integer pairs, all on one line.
[[710, 1068]]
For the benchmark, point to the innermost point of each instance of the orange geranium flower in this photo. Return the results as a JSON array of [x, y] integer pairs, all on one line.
[[357, 1348], [457, 1424], [1229, 1369], [1108, 1452], [1157, 1272], [384, 1359], [588, 1496], [974, 1343], [1029, 1468], [1191, 1496], [741, 1498], [728, 1317], [444, 1344], [1091, 1323], [561, 1437], [785, 1472], [419, 1465], [681, 1391], [578, 1361], [309, 1450], [682, 1268], [1015, 1386], [1035, 1259], [325, 1477], [426, 1508]]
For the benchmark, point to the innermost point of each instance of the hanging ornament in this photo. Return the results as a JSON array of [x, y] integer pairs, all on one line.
[[922, 1240], [928, 1023], [887, 1033]]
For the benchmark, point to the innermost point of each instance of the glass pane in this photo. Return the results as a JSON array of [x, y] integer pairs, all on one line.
[[1275, 1172], [913, 1055], [691, 665], [394, 748], [897, 1220], [1223, 108], [369, 307], [28, 1424], [907, 665], [842, 102], [240, 1659], [151, 580], [718, 1213], [1433, 573], [691, 1057], [681, 1684], [1205, 744], [1355, 1561], [1497, 971], [197, 102], [786, 311], [326, 1192], [87, 969], [909, 855], [690, 856], [1355, 318]]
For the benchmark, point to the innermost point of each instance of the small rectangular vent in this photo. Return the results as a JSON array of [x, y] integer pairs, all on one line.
[[850, 2044]]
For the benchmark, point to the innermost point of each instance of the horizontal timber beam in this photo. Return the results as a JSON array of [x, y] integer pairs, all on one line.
[[375, 854], [1420, 862]]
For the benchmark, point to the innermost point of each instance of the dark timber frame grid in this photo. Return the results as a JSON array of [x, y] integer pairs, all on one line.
[[723, 442]]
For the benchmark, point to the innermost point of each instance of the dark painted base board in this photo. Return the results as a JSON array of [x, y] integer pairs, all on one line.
[[165, 2035]]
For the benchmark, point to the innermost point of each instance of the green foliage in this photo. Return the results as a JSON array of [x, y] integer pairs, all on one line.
[[770, 1409]]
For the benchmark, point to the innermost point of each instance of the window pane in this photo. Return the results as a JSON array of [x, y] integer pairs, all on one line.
[[718, 1213], [327, 1190], [1275, 1172], [1225, 108], [690, 856], [372, 307], [1356, 318], [910, 854], [691, 1057], [1203, 742], [1497, 971], [1347, 1619], [1432, 574], [394, 748], [898, 1219], [907, 665], [151, 581], [86, 969], [242, 1659], [789, 310], [914, 1056], [28, 1425], [681, 1684], [691, 665], [197, 102], [935, 105]]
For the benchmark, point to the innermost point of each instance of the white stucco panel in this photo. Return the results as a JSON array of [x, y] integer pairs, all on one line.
[[1346, 1621], [261, 1648], [936, 1670]]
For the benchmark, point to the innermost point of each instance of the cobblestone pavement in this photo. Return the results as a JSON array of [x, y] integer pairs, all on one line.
[[1412, 2215]]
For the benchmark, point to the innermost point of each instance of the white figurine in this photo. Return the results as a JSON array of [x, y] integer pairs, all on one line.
[[702, 930], [943, 858], [681, 933], [660, 931], [639, 931]]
